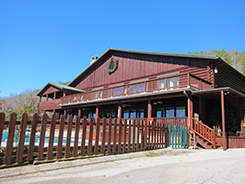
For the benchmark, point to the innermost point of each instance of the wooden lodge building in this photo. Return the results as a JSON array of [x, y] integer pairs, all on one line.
[[196, 91]]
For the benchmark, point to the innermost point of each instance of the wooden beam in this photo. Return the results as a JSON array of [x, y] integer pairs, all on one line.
[[79, 112], [223, 119], [54, 95]]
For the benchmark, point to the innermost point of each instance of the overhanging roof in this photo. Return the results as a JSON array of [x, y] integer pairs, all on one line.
[[59, 86]]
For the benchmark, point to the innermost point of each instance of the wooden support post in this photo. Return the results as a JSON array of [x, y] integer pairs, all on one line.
[[190, 112], [54, 95], [223, 119], [149, 114], [190, 116], [46, 97], [97, 112], [79, 112], [119, 111], [65, 112]]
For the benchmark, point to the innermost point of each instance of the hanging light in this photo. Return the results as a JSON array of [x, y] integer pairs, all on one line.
[[216, 70]]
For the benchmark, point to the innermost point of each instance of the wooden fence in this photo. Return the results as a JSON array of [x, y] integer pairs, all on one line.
[[54, 139]]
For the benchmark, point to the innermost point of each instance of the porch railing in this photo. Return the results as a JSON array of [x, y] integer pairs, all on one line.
[[151, 85], [204, 131], [29, 141]]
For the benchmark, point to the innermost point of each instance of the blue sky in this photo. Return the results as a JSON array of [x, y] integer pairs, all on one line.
[[51, 41]]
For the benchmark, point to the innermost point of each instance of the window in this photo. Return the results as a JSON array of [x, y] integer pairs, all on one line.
[[117, 91], [180, 111], [133, 113], [161, 84], [169, 112], [173, 82], [126, 114], [95, 94], [137, 88], [160, 112]]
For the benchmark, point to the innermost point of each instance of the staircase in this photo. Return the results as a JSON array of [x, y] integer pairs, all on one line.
[[204, 135]]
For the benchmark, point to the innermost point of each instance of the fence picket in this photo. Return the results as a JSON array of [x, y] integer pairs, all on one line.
[[60, 138], [133, 143], [90, 140], [77, 127], [42, 137], [2, 119], [103, 136], [8, 153], [109, 138], [68, 138], [119, 136], [129, 135], [84, 124], [32, 137], [97, 127], [124, 135], [51, 137], [115, 136], [20, 148]]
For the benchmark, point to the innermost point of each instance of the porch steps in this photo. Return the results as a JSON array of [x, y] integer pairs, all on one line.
[[204, 143]]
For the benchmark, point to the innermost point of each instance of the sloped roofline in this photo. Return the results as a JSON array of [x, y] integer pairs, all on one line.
[[110, 50], [60, 86]]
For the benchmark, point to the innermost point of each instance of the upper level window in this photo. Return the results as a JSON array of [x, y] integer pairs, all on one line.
[[171, 82], [161, 84], [137, 88]]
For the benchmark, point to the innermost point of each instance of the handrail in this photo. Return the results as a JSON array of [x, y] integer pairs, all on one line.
[[204, 131]]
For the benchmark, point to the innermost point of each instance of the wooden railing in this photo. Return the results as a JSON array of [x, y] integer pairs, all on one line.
[[49, 105], [173, 121], [151, 85], [52, 139], [204, 131]]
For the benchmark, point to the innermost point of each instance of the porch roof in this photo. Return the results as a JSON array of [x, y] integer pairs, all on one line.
[[216, 91]]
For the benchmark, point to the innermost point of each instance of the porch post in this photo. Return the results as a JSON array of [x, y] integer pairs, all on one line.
[[119, 111], [79, 112], [54, 95], [46, 97], [149, 114], [97, 111], [65, 113], [190, 112], [53, 111], [223, 119]]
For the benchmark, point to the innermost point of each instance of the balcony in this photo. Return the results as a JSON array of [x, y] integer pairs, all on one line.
[[49, 105], [138, 87]]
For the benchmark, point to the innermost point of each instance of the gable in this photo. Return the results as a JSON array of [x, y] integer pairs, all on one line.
[[50, 89], [137, 65]]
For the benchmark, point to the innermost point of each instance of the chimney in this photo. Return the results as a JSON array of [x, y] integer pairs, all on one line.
[[93, 59]]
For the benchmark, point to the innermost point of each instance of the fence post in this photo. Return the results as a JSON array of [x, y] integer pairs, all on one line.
[[20, 148]]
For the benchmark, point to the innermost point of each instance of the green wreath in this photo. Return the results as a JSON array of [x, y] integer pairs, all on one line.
[[109, 69]]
